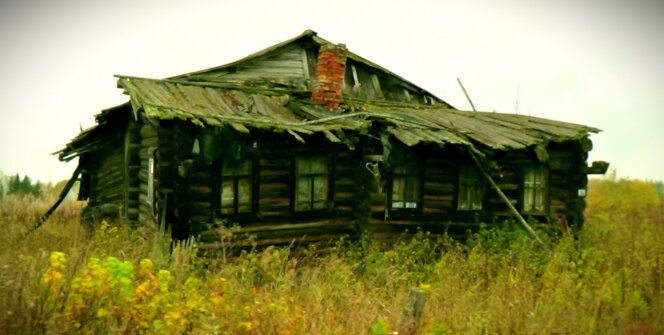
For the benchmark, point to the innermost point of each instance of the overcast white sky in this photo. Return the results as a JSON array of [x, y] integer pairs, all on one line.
[[599, 63]]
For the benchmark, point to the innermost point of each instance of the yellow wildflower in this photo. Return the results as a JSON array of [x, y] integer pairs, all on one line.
[[246, 325], [57, 259], [146, 269], [51, 276]]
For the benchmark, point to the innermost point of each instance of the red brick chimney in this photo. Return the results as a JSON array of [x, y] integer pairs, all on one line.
[[329, 75]]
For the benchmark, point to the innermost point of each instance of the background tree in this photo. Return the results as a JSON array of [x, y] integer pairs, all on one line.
[[14, 185], [24, 186], [3, 188]]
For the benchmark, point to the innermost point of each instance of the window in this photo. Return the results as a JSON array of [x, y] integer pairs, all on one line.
[[471, 188], [406, 186], [236, 188], [311, 189], [535, 187], [151, 178]]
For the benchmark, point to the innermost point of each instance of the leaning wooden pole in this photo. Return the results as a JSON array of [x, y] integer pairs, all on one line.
[[466, 94], [507, 201], [61, 198], [495, 186]]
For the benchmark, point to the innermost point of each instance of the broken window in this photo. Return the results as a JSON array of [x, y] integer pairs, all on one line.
[[407, 186], [535, 190], [311, 183], [470, 194], [236, 188]]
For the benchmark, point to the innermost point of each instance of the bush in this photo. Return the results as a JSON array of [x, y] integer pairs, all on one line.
[[608, 279]]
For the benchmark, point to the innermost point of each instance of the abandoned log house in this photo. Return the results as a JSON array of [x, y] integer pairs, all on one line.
[[307, 141]]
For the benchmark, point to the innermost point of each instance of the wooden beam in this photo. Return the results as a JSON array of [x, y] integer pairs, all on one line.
[[597, 167], [62, 197], [466, 94], [507, 201]]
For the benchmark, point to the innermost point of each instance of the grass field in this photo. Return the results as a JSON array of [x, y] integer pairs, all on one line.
[[64, 279]]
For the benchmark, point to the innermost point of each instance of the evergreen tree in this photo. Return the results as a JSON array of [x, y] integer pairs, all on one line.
[[3, 184], [23, 186], [35, 190], [14, 185], [26, 186]]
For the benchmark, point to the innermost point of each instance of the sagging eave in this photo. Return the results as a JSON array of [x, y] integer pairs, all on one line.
[[87, 140]]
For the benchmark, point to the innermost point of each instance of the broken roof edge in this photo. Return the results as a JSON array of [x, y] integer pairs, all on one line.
[[319, 41], [229, 86], [362, 104], [416, 115], [306, 33]]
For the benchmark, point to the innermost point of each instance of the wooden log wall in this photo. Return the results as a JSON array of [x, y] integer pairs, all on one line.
[[509, 178], [358, 200], [275, 177], [200, 197], [344, 184], [566, 168], [274, 220], [437, 213], [440, 178], [149, 140], [106, 171], [132, 168]]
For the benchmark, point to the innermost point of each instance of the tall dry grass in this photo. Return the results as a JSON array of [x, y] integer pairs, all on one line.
[[607, 280]]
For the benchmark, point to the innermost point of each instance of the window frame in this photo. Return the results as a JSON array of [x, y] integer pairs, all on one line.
[[479, 185], [251, 176], [417, 164], [311, 178], [153, 180], [541, 186]]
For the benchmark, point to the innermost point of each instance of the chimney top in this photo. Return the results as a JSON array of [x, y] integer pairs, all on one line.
[[329, 75]]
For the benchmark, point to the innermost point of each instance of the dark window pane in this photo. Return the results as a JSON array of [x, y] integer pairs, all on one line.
[[303, 165], [244, 191], [413, 189], [534, 189], [227, 194], [243, 169], [311, 187], [303, 189], [320, 188], [303, 206], [471, 188], [406, 184], [319, 165], [398, 188], [236, 188]]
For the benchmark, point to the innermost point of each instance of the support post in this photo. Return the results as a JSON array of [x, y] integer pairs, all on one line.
[[413, 312], [507, 201], [62, 197]]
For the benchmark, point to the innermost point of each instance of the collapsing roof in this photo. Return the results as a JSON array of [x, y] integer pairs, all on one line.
[[270, 96]]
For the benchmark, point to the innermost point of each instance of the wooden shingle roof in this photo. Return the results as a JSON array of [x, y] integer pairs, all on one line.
[[254, 99], [411, 124]]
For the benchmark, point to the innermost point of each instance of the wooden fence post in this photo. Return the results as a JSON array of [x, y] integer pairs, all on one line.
[[413, 312]]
